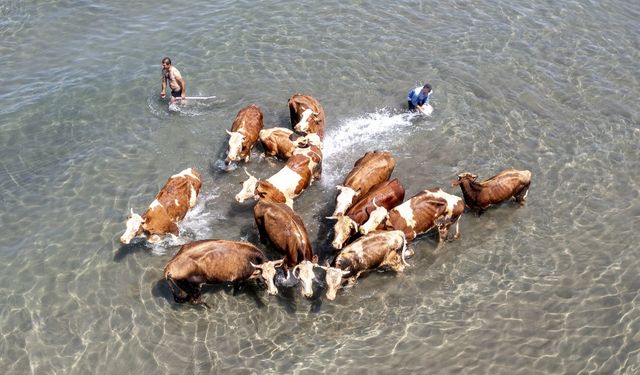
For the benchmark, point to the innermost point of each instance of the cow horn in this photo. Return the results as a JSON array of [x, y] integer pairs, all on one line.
[[228, 132], [256, 266], [245, 171], [278, 263], [331, 217]]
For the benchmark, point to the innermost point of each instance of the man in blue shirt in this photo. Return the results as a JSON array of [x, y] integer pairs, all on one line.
[[418, 99]]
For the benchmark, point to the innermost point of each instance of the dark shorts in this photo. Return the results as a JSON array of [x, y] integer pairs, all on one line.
[[411, 106], [176, 94]]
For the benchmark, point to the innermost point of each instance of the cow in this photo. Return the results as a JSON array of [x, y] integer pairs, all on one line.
[[505, 185], [170, 206], [278, 224], [371, 169], [244, 133], [286, 184], [313, 151], [375, 250], [215, 261], [387, 193], [307, 115], [280, 142], [431, 208]]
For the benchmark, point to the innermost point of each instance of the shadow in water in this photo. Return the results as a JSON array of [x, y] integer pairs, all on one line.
[[129, 249], [250, 289]]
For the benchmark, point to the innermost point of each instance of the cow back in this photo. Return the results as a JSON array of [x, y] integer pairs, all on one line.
[[284, 229], [278, 142], [171, 204], [387, 194], [215, 261], [298, 103], [249, 122], [371, 169], [417, 215]]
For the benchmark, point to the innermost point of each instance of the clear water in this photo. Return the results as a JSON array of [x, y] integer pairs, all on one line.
[[551, 87]]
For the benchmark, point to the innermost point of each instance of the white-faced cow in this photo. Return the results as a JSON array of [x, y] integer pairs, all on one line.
[[386, 194], [280, 142], [371, 169], [505, 185], [172, 203], [215, 261], [307, 115], [283, 186], [375, 250], [244, 133], [426, 210]]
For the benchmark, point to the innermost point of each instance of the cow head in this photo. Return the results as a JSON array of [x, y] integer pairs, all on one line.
[[466, 176], [344, 228], [376, 217], [344, 199], [304, 272], [134, 227], [235, 146], [333, 279], [268, 273], [248, 189], [303, 125]]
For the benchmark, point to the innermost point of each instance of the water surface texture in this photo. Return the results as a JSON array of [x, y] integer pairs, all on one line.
[[548, 288]]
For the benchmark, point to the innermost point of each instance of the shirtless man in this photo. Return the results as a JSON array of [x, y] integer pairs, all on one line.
[[176, 82]]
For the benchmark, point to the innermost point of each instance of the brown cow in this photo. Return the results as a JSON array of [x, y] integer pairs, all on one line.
[[313, 151], [307, 115], [505, 185], [279, 224], [172, 203], [283, 186], [280, 142], [371, 169], [244, 133], [375, 250], [214, 261], [426, 210], [387, 193]]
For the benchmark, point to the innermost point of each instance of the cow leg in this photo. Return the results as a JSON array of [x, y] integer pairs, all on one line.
[[521, 197], [457, 235]]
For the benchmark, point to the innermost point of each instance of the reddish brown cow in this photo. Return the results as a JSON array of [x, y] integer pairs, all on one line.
[[375, 250], [371, 169], [307, 115], [387, 194], [283, 186], [214, 261], [424, 211], [505, 185], [172, 203], [244, 133], [281, 226]]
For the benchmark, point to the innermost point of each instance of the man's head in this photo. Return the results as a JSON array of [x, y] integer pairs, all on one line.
[[166, 62], [426, 89]]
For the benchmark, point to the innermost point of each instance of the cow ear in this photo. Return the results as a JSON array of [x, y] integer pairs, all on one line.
[[314, 259]]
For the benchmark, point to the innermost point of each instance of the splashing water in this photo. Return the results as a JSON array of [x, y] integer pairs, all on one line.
[[355, 136]]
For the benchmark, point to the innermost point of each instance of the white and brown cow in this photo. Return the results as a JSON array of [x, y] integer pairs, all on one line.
[[307, 115], [424, 211], [387, 194], [505, 185], [172, 203], [313, 151], [283, 187], [375, 250], [244, 133], [371, 169], [280, 142], [215, 261]]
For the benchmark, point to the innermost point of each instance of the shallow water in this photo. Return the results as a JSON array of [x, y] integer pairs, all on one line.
[[547, 288]]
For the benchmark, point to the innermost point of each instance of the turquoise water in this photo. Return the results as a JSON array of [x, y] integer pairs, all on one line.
[[550, 87]]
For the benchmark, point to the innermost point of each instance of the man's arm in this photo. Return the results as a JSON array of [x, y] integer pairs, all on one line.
[[163, 84]]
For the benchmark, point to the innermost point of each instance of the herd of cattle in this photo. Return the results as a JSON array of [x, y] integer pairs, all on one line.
[[371, 216]]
